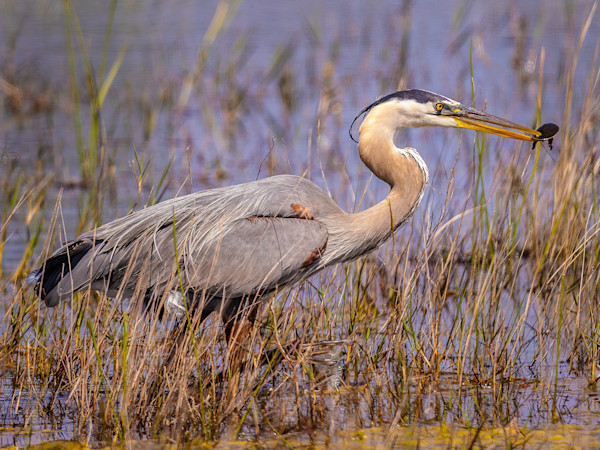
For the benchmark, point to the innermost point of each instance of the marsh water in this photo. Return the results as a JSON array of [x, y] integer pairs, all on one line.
[[274, 91]]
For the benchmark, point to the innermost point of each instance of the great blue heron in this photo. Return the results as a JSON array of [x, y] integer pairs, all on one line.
[[239, 243]]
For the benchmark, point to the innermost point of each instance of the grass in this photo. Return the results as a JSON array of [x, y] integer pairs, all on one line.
[[474, 323]]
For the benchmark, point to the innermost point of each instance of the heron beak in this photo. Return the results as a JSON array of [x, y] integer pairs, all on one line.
[[480, 121]]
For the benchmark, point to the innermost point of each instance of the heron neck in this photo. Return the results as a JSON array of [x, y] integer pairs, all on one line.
[[405, 172]]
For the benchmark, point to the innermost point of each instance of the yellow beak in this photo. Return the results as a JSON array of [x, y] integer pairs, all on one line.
[[480, 121]]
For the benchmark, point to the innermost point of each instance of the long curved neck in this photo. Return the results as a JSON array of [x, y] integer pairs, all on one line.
[[402, 169]]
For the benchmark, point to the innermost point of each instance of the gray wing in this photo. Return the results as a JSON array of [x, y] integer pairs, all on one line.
[[230, 241], [258, 254]]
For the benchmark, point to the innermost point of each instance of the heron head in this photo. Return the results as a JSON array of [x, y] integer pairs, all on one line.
[[419, 108]]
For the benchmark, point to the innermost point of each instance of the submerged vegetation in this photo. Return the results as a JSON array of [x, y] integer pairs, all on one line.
[[476, 324]]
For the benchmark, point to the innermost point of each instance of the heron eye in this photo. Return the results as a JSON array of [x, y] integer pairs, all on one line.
[[439, 106]]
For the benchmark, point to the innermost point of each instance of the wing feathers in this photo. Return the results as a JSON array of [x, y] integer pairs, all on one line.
[[258, 255], [232, 241]]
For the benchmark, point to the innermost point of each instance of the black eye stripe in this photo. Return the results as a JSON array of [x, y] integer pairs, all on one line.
[[418, 95]]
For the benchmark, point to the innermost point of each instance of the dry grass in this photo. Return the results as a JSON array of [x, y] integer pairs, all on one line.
[[481, 314]]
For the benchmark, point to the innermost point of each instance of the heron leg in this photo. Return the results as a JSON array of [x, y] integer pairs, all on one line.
[[238, 313], [238, 317]]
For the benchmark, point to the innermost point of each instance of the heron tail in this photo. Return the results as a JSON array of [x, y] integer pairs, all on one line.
[[48, 277]]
